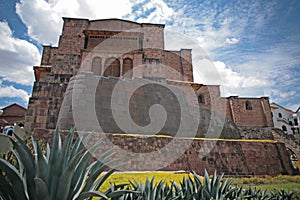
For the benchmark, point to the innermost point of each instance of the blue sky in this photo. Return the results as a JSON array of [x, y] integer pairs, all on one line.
[[254, 45]]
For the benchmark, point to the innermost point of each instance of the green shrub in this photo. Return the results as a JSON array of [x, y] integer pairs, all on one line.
[[10, 156], [64, 172], [197, 188]]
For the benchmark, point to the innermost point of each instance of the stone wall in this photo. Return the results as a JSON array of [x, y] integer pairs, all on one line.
[[232, 157], [292, 142], [176, 71], [256, 133], [257, 115], [72, 52], [48, 55], [44, 105], [154, 33], [89, 100]]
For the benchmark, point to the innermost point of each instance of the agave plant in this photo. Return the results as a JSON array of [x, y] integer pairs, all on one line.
[[282, 195], [193, 188], [254, 193], [65, 172], [190, 188], [150, 191]]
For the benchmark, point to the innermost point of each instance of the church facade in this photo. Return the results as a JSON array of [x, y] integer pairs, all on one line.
[[115, 52], [114, 78]]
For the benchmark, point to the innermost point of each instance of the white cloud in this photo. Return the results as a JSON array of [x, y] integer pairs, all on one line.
[[231, 82], [232, 40], [210, 72], [44, 18], [160, 12], [215, 25], [254, 82], [278, 95], [10, 91], [289, 99], [17, 57], [293, 106]]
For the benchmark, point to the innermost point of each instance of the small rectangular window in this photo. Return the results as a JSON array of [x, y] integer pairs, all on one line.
[[201, 99], [248, 105]]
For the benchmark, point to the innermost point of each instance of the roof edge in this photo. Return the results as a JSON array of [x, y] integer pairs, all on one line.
[[13, 105]]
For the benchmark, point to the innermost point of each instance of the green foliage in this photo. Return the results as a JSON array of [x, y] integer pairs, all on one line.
[[282, 195], [125, 178], [64, 172], [209, 188], [267, 180], [151, 191], [10, 156], [197, 188]]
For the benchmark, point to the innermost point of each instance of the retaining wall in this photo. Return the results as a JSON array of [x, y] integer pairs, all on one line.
[[232, 157]]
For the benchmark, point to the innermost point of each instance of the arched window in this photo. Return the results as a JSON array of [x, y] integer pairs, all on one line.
[[201, 99], [127, 68], [112, 67], [248, 105], [97, 65], [279, 115], [284, 128]]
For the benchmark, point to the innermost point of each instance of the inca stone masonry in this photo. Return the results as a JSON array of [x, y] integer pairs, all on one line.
[[114, 76]]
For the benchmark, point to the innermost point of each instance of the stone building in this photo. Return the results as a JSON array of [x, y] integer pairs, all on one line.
[[115, 76], [12, 114], [113, 50]]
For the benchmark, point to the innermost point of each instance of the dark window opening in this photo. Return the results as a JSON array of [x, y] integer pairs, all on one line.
[[201, 99], [279, 115], [127, 68], [248, 105], [296, 122], [112, 67], [85, 42], [284, 128]]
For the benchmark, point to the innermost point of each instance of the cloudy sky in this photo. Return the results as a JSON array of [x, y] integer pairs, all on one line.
[[253, 44]]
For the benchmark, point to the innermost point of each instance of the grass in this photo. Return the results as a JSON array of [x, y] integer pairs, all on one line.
[[267, 180], [289, 183], [124, 178]]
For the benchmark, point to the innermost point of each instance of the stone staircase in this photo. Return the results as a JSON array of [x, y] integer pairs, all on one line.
[[290, 141]]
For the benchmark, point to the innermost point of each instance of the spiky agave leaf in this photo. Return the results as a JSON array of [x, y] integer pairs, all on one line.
[[6, 191], [119, 192], [12, 178], [41, 164], [41, 189], [151, 191], [24, 154], [60, 174], [53, 171]]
